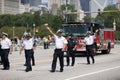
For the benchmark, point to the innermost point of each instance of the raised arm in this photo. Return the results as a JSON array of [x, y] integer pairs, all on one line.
[[46, 25]]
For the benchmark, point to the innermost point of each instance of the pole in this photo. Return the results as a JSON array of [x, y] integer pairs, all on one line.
[[114, 25], [34, 29], [13, 32], [66, 11], [27, 27]]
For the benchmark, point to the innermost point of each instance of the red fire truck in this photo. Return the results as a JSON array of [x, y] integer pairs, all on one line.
[[103, 42]]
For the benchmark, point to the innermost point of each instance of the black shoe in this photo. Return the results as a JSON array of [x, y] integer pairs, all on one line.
[[93, 62], [25, 65], [52, 71], [67, 65], [27, 70], [1, 63], [6, 68], [33, 64], [61, 70], [88, 63]]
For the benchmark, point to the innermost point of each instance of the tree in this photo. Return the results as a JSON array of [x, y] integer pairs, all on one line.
[[47, 18], [37, 18], [88, 19], [57, 22]]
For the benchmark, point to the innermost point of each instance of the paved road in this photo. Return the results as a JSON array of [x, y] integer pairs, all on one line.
[[107, 67]]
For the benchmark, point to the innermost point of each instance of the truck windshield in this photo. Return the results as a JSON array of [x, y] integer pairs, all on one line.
[[76, 30]]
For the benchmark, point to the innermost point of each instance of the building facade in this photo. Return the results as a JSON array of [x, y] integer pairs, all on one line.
[[9, 6], [118, 4], [35, 2]]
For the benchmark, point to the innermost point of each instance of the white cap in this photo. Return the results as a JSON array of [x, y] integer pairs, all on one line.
[[25, 33], [3, 33], [88, 32], [59, 31]]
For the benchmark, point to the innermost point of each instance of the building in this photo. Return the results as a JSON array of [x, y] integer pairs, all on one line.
[[41, 8], [35, 2], [54, 5], [32, 2], [24, 8], [118, 4], [9, 6], [85, 6], [25, 1]]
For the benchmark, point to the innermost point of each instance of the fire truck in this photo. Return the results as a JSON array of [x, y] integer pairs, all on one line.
[[103, 41]]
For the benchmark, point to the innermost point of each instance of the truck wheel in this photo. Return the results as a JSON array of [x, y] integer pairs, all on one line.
[[95, 51], [104, 51], [109, 48], [107, 51], [95, 48]]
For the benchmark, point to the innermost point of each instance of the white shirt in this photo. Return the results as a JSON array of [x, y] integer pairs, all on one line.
[[28, 44], [5, 43], [89, 40], [60, 42]]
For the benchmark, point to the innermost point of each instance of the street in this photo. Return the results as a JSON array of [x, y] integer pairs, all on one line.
[[106, 67]]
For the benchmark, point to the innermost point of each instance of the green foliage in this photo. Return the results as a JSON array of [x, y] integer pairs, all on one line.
[[88, 19], [117, 35], [18, 31], [47, 18], [57, 22], [36, 18]]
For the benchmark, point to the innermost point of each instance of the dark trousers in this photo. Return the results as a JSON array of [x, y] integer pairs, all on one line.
[[1, 56], [32, 59], [5, 59], [89, 53], [58, 53], [46, 45], [70, 53], [28, 58]]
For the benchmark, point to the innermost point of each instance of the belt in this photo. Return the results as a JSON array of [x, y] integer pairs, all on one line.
[[5, 49], [28, 49], [89, 45], [58, 48]]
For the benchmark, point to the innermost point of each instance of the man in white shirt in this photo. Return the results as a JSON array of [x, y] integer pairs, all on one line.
[[89, 41], [60, 45], [28, 46], [6, 47]]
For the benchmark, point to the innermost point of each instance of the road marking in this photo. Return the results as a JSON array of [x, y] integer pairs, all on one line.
[[72, 78]]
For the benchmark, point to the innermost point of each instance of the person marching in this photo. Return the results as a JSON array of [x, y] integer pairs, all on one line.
[[89, 41], [70, 51], [34, 45], [28, 46], [60, 45], [0, 53], [6, 49]]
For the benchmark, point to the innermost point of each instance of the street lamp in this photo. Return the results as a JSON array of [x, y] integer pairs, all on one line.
[[34, 29], [13, 32], [114, 25], [27, 27], [66, 11]]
